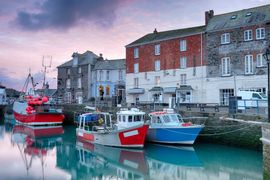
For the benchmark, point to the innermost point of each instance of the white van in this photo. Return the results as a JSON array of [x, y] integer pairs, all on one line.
[[251, 99]]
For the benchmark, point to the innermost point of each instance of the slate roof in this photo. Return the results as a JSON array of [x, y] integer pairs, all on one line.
[[82, 59], [165, 35], [240, 18], [110, 64]]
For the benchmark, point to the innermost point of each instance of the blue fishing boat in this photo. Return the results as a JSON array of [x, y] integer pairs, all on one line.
[[168, 127]]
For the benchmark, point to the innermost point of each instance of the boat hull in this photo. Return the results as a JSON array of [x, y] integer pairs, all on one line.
[[129, 137], [20, 115], [173, 135]]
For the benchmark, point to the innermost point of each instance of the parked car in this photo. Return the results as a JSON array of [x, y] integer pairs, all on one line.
[[251, 99]]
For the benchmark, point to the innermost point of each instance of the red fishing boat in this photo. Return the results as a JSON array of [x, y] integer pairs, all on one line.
[[34, 109], [128, 130]]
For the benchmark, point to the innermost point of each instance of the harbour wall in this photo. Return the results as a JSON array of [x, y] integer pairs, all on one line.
[[241, 130]]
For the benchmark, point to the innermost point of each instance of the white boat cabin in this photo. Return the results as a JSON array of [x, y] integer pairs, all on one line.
[[128, 118], [95, 121], [165, 117]]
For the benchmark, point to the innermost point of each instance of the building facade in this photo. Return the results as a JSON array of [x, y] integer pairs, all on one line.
[[205, 64], [166, 65], [86, 75], [235, 43], [74, 78], [109, 78]]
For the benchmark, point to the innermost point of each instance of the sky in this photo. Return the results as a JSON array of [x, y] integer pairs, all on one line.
[[33, 29]]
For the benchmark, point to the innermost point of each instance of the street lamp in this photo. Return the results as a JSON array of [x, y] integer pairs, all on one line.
[[266, 56]]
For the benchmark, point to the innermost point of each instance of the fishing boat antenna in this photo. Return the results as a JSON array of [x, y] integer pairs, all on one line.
[[46, 66]]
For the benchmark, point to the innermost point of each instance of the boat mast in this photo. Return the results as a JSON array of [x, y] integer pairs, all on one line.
[[45, 69]]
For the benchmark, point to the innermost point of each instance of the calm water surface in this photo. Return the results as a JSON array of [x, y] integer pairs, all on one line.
[[27, 153]]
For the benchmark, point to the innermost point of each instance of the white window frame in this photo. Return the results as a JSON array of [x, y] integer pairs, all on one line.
[[260, 33], [183, 79], [157, 80], [183, 45], [260, 61], [249, 64], [107, 75], [183, 62], [226, 66], [100, 75], [157, 49], [136, 82], [68, 84], [79, 83], [136, 68], [248, 35], [136, 52], [225, 38], [120, 75], [157, 65]]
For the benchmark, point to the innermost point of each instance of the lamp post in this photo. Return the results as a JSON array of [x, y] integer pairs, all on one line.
[[266, 56]]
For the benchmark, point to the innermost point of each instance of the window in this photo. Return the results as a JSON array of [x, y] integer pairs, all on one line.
[[68, 71], [183, 79], [226, 66], [68, 83], [120, 75], [129, 118], [260, 33], [157, 80], [183, 45], [157, 65], [183, 62], [260, 62], [79, 70], [136, 52], [136, 82], [225, 38], [145, 75], [248, 35], [107, 90], [157, 49], [79, 82], [108, 75], [136, 68], [100, 75], [224, 96], [248, 64]]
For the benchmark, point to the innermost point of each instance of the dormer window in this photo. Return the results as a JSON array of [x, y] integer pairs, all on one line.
[[75, 61], [248, 14], [234, 17]]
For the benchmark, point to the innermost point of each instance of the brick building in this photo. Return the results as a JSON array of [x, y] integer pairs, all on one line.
[[235, 43], [205, 64], [164, 65]]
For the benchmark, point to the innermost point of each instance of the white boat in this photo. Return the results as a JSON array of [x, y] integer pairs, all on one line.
[[128, 130], [168, 127]]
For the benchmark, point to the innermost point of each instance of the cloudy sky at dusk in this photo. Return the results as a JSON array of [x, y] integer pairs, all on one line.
[[30, 29]]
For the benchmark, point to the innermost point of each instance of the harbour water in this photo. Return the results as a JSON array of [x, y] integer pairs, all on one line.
[[54, 153]]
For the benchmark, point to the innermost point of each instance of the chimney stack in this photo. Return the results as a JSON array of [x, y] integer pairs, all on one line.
[[208, 15], [155, 31]]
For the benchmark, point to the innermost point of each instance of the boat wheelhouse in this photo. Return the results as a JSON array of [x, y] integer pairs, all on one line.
[[168, 127], [128, 130]]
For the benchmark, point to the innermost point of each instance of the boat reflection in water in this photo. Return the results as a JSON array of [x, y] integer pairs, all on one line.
[[35, 142], [111, 162], [171, 162]]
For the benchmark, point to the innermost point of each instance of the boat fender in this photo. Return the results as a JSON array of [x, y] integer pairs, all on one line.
[[100, 121], [187, 124], [44, 99]]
